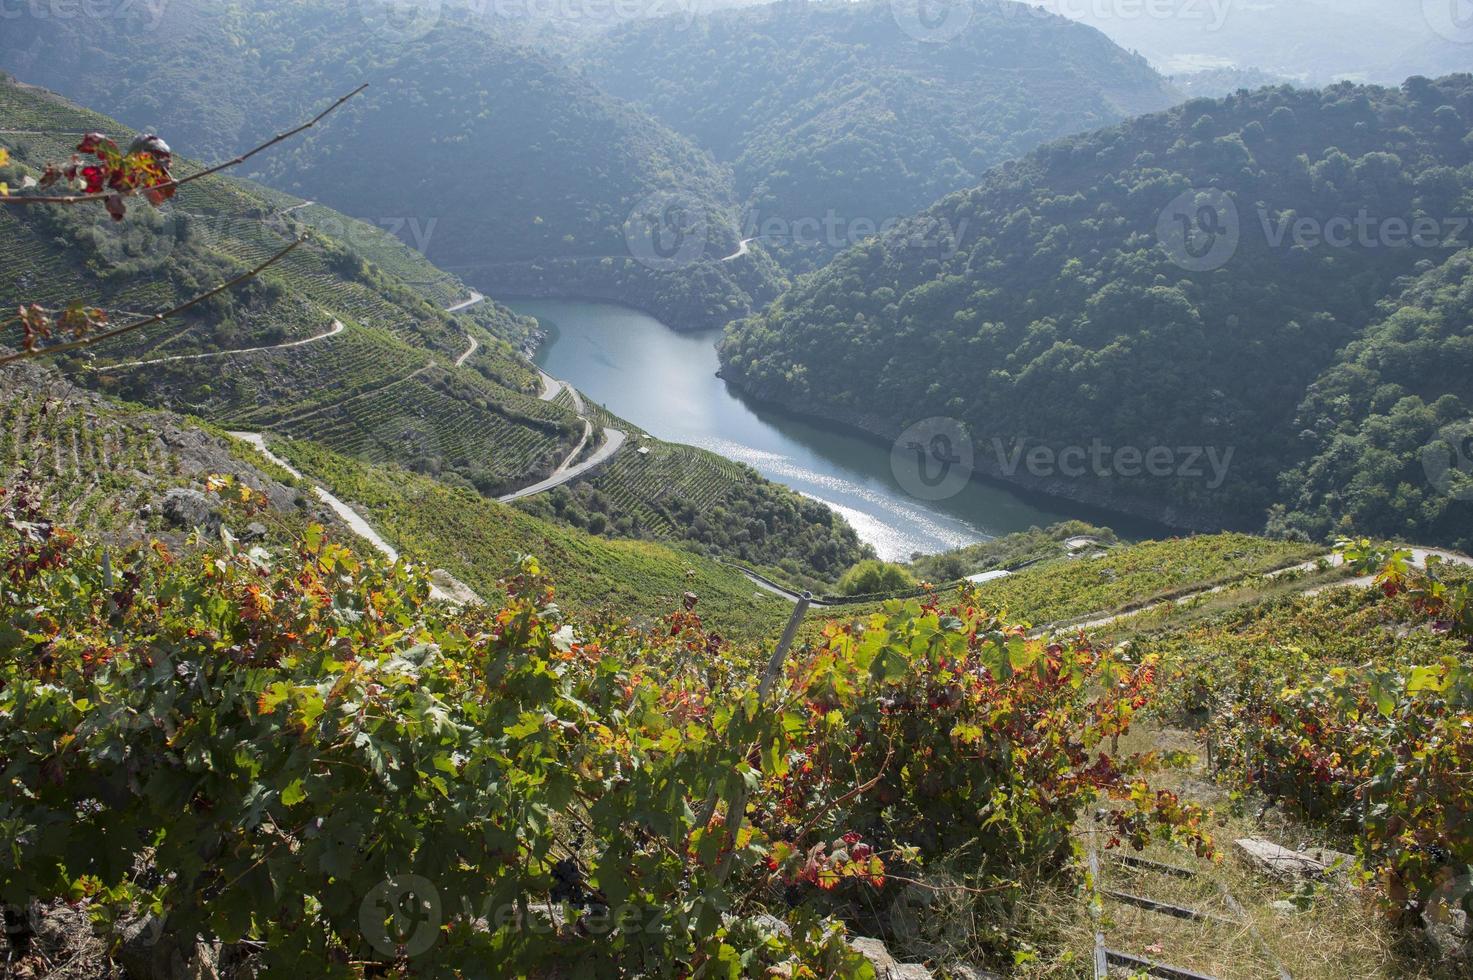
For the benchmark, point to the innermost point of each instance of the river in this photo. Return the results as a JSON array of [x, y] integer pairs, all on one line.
[[665, 382]]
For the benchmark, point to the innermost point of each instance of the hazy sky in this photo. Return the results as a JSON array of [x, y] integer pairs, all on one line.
[[1318, 40]]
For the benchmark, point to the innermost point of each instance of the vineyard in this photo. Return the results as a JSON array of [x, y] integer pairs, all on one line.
[[384, 387], [665, 491], [668, 480], [1076, 586], [82, 461], [104, 468], [428, 422], [1351, 708], [478, 541], [553, 793]]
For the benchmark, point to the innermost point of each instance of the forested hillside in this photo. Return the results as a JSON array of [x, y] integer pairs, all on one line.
[[506, 167], [1076, 313], [844, 110]]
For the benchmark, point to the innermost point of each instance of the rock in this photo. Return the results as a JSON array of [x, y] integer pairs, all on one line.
[[254, 531], [1336, 862], [961, 971], [910, 971], [453, 590], [148, 951], [772, 924], [1270, 858], [886, 966], [874, 951], [188, 509]]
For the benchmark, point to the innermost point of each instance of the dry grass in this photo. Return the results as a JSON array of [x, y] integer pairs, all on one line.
[[1337, 933]]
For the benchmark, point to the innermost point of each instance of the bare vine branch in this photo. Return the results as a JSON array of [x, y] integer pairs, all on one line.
[[155, 317], [180, 182]]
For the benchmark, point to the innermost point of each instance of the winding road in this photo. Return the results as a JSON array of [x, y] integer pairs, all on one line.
[[613, 441], [333, 331], [443, 585], [474, 344], [741, 249]]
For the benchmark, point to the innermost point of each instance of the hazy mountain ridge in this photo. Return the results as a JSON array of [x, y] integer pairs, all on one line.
[[839, 112]]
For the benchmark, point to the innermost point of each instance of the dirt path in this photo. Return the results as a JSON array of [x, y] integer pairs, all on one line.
[[454, 590], [468, 351], [1419, 560], [337, 328]]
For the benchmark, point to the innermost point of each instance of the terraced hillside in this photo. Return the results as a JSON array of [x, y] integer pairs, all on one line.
[[83, 460], [345, 342], [480, 541], [535, 181], [327, 344], [667, 491]]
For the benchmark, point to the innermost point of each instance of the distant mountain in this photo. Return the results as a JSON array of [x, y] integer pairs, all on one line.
[[1313, 41], [1207, 278], [1213, 83], [505, 166], [839, 117]]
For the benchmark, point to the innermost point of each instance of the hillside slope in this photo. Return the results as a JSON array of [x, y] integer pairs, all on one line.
[[344, 344], [846, 111], [1075, 315], [309, 348], [513, 171]]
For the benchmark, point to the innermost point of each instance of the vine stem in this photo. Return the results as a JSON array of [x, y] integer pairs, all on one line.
[[180, 182], [839, 801], [156, 317]]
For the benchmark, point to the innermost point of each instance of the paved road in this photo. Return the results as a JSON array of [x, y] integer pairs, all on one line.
[[475, 298], [741, 250], [551, 387], [613, 440]]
